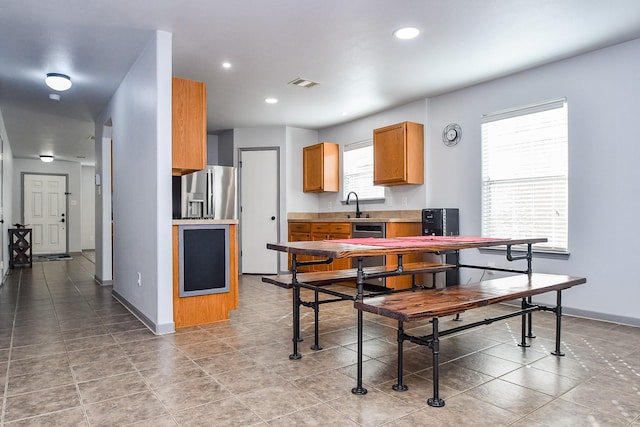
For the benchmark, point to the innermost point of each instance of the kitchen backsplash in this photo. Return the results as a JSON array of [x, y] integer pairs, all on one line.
[[410, 215]]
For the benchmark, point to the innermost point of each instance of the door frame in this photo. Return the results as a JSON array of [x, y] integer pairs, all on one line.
[[66, 201], [278, 198]]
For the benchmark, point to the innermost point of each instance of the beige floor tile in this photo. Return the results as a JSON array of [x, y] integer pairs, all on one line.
[[67, 418], [111, 387], [276, 401], [562, 413], [179, 396], [543, 381], [172, 373], [227, 412], [40, 380], [503, 394], [315, 416], [41, 402], [372, 409], [101, 369]]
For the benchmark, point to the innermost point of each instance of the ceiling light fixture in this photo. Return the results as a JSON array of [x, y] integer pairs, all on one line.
[[57, 81], [303, 82], [226, 65], [46, 158], [406, 33], [271, 100]]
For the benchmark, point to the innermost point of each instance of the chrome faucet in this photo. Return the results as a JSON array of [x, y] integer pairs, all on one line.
[[358, 213]]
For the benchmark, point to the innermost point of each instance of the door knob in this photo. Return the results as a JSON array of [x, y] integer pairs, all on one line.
[[62, 220], [273, 218]]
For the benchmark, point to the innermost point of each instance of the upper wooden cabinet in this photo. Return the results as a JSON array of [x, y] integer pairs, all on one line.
[[321, 168], [398, 154], [189, 152]]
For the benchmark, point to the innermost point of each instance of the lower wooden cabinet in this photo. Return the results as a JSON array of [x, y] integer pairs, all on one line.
[[305, 231], [401, 229], [207, 308], [318, 231]]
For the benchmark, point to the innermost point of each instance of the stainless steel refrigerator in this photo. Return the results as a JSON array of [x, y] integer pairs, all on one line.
[[210, 193]]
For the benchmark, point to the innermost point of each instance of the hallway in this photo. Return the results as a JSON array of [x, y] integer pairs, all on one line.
[[71, 355]]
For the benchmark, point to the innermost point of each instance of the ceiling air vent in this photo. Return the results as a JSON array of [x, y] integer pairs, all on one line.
[[302, 83]]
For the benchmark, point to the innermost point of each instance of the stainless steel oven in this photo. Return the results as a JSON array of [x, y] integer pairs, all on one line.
[[369, 229]]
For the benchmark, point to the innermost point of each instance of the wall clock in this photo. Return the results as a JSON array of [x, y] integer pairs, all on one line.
[[451, 134]]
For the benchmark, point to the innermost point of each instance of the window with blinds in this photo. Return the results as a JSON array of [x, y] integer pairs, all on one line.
[[357, 168], [525, 174]]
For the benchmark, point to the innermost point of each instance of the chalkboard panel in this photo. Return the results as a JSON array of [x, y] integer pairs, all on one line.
[[204, 259]]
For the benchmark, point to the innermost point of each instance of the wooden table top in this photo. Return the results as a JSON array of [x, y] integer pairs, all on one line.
[[350, 248]]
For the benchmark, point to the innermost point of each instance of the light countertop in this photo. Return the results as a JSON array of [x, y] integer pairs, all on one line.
[[203, 221], [367, 216]]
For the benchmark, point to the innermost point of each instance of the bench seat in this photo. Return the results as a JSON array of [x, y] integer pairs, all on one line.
[[434, 303], [336, 276], [428, 303]]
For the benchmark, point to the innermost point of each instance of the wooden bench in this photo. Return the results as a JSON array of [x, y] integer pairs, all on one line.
[[319, 278], [433, 304], [315, 279]]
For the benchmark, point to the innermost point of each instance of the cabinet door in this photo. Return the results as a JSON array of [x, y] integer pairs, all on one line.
[[398, 154], [299, 232], [389, 155], [400, 229], [320, 231], [320, 168], [189, 126], [342, 263], [313, 168]]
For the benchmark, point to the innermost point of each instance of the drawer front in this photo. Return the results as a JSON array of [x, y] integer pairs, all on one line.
[[340, 228], [320, 227], [299, 227]]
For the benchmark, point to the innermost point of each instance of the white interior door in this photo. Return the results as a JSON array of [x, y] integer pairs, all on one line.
[[258, 210], [45, 212]]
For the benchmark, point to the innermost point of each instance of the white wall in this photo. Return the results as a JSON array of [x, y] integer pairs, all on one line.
[[88, 208], [602, 90], [140, 112], [6, 180], [296, 199], [361, 130], [212, 149], [74, 202]]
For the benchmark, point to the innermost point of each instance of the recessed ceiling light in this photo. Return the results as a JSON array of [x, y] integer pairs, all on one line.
[[46, 158], [271, 100], [406, 33], [226, 65], [57, 81]]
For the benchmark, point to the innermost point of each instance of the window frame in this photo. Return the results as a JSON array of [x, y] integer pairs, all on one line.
[[345, 191], [528, 180]]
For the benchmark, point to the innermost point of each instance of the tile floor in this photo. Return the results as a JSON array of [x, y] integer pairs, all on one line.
[[72, 355]]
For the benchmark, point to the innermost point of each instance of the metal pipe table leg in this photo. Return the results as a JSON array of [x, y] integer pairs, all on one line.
[[359, 389]]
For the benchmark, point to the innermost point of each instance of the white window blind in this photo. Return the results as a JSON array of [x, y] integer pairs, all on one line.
[[525, 174], [357, 163]]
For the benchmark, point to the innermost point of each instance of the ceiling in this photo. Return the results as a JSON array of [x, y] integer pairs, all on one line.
[[344, 45]]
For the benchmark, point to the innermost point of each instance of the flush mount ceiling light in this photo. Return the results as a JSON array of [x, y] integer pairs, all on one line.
[[57, 81], [226, 65], [406, 33], [271, 100], [46, 158]]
